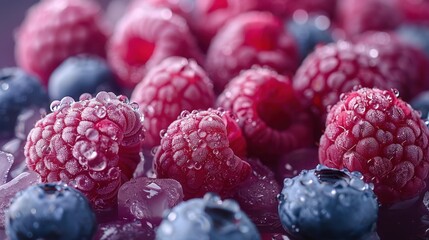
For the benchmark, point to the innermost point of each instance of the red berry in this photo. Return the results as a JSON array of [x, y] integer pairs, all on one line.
[[92, 144], [405, 65], [196, 151], [209, 16], [415, 11], [271, 117], [55, 30], [358, 16], [145, 37], [334, 69], [374, 132], [253, 38], [176, 84]]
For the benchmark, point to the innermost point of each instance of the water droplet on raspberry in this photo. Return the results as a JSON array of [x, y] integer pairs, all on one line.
[[163, 133], [184, 114], [288, 182], [395, 91], [201, 133], [135, 106], [85, 96], [55, 105], [100, 112], [123, 99], [66, 102], [92, 135], [103, 97], [113, 173]]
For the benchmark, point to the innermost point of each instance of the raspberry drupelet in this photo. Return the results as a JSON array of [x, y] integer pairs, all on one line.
[[376, 133], [92, 144]]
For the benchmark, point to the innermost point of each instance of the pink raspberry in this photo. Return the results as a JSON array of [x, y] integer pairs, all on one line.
[[271, 117], [176, 84], [405, 65], [358, 16], [145, 37], [92, 144], [209, 16], [54, 30], [253, 38], [334, 69], [202, 152], [374, 132]]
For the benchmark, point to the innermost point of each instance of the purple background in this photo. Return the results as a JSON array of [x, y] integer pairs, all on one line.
[[12, 13]]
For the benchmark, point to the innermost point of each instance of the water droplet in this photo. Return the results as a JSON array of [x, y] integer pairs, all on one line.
[[85, 96], [101, 112], [288, 182], [395, 91], [307, 181], [4, 86], [163, 133], [135, 106], [172, 216], [123, 99], [184, 114], [92, 135], [103, 97], [66, 101], [55, 105], [201, 133]]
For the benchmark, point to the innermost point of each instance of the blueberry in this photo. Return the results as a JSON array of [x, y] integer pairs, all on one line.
[[50, 211], [415, 35], [207, 218], [18, 91], [81, 74], [326, 203], [421, 103], [309, 31]]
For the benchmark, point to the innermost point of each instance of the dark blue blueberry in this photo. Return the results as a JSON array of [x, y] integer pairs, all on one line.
[[326, 203], [416, 35], [309, 31], [207, 218], [50, 211], [18, 91], [421, 103], [81, 74]]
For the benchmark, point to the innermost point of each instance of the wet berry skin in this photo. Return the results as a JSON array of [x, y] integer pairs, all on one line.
[[92, 144], [326, 203], [18, 91], [207, 218], [203, 150], [376, 133], [81, 74], [50, 211]]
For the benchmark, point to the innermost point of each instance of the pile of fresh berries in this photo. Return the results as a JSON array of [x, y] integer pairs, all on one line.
[[217, 119]]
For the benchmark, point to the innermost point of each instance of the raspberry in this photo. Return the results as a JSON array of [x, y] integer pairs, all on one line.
[[374, 132], [356, 16], [197, 152], [145, 37], [92, 144], [272, 119], [334, 69], [211, 15], [415, 11], [406, 66], [176, 84], [55, 30], [253, 38]]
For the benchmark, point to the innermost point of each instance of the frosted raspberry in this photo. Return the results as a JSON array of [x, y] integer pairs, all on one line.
[[272, 119], [252, 38], [337, 68], [197, 150], [92, 144], [376, 133], [176, 84], [54, 30], [145, 37]]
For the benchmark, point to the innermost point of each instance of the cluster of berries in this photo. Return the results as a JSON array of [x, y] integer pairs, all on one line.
[[216, 119]]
